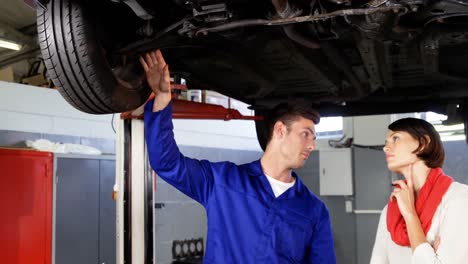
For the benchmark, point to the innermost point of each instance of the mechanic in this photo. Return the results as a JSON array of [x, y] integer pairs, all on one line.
[[260, 212]]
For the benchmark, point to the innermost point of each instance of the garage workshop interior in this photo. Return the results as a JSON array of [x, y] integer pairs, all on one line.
[[76, 182]]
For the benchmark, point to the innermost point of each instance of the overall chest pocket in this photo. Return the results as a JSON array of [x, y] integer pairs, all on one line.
[[290, 237]]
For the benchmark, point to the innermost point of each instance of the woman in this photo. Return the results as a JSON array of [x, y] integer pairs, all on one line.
[[426, 219]]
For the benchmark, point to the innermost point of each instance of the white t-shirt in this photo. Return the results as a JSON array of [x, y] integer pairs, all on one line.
[[279, 187], [450, 222]]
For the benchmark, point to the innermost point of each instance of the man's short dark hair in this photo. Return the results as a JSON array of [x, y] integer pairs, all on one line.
[[288, 113], [432, 152]]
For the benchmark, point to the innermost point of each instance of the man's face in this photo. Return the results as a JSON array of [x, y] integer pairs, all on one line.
[[297, 142]]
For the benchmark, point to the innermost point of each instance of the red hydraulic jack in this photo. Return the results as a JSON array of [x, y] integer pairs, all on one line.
[[183, 109]]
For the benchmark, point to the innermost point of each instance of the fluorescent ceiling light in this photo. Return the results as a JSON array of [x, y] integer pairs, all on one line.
[[9, 44]]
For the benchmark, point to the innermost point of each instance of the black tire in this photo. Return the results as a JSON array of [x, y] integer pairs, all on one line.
[[466, 129], [465, 119], [261, 128], [77, 64]]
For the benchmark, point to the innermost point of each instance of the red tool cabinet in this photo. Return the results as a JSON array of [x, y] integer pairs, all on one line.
[[25, 206], [56, 208]]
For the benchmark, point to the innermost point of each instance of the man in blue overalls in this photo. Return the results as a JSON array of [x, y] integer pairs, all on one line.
[[259, 212]]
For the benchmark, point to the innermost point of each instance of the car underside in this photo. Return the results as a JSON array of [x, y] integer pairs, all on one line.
[[345, 57]]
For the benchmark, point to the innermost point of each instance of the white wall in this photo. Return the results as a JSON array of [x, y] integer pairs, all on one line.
[[234, 134], [370, 130], [41, 110]]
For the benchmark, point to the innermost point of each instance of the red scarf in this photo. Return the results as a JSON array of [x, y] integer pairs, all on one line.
[[428, 200]]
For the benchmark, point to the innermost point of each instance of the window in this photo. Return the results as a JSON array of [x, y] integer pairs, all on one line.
[[329, 127], [447, 133]]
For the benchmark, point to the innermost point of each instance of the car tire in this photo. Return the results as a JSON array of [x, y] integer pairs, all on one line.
[[465, 119], [466, 129], [77, 64], [261, 128]]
